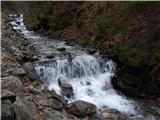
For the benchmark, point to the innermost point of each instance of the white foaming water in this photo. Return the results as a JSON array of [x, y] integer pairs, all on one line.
[[18, 25], [90, 78]]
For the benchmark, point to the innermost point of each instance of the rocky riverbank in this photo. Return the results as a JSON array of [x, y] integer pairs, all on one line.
[[23, 95]]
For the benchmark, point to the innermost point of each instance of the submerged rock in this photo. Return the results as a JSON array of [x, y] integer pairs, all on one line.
[[66, 88], [81, 108]]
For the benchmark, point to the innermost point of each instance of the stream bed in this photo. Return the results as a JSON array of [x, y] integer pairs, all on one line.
[[89, 75]]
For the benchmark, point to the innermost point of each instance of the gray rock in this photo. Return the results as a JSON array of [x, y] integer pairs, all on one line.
[[13, 84], [53, 103], [25, 110], [37, 88], [21, 114], [30, 69], [66, 88], [81, 108], [59, 98], [18, 71], [50, 114], [7, 111]]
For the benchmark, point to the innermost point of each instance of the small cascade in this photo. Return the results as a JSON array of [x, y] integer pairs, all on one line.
[[90, 78], [18, 25]]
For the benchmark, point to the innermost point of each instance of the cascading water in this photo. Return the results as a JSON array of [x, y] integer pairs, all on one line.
[[90, 76]]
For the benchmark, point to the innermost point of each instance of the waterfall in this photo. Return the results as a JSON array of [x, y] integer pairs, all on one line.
[[90, 78]]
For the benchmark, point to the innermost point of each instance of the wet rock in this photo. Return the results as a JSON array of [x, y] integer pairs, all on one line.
[[66, 88], [107, 85], [25, 109], [18, 72], [88, 83], [50, 114], [30, 69], [13, 84], [90, 92], [81, 108], [61, 49], [7, 111], [5, 94]]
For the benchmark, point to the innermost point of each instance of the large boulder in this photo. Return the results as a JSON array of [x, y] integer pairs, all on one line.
[[25, 109], [66, 88], [13, 84], [81, 108]]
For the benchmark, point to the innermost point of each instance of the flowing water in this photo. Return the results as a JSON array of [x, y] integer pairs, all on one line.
[[89, 75]]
